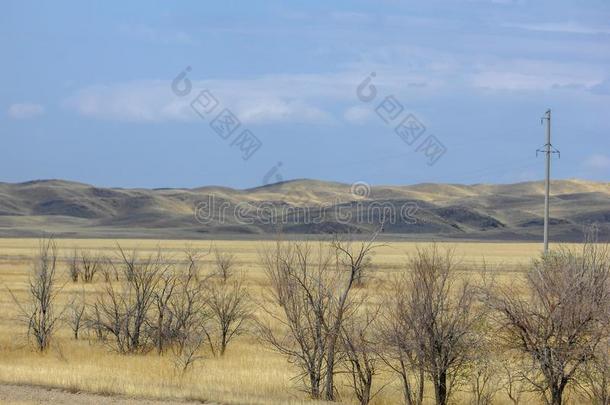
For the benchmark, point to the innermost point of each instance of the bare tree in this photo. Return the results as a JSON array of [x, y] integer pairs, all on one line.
[[313, 289], [229, 307], [399, 348], [39, 311], [437, 311], [361, 358], [556, 318], [351, 261], [301, 297]]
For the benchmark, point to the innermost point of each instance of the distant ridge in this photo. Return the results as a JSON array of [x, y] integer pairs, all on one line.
[[446, 211]]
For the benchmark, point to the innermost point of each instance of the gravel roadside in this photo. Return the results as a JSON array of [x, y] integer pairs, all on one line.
[[24, 394]]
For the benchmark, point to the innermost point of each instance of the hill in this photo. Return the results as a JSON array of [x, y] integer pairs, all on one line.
[[448, 211]]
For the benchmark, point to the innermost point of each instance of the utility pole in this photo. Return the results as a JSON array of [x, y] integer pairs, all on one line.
[[548, 150]]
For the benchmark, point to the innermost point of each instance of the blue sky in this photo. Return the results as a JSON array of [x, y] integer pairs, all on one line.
[[87, 96]]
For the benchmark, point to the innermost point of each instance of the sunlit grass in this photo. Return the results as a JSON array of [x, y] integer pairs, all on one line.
[[248, 373]]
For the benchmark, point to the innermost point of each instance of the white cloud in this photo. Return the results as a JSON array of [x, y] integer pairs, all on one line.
[[530, 74], [404, 68], [278, 110], [358, 114], [22, 111], [524, 175], [146, 33], [563, 27], [597, 162], [271, 98], [141, 101], [407, 72], [277, 98], [602, 87], [351, 17]]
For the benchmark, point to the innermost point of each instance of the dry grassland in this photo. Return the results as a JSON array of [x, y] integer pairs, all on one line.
[[248, 373]]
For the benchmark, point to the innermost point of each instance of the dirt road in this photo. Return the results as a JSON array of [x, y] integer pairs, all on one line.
[[23, 394]]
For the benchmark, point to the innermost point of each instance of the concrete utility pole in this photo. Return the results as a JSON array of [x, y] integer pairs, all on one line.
[[548, 150]]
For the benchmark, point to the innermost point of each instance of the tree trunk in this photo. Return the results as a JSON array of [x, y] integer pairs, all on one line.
[[223, 343], [420, 398], [314, 381], [406, 386], [410, 396], [330, 370], [556, 395], [440, 388], [334, 336], [366, 392], [160, 332]]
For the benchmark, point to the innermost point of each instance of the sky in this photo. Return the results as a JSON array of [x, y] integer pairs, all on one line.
[[245, 93]]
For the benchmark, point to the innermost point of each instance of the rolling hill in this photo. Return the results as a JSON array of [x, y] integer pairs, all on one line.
[[422, 211]]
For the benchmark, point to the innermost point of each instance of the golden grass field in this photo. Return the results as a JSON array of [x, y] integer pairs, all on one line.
[[248, 373]]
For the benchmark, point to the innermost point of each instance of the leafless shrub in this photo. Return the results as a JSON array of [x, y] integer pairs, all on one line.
[[186, 354], [437, 311], [84, 266], [188, 308], [76, 313], [230, 309], [124, 309], [90, 265], [153, 305], [162, 297], [181, 311], [513, 380], [109, 270], [225, 263], [94, 324], [193, 258], [484, 378], [74, 267], [557, 322], [39, 311], [189, 315]]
